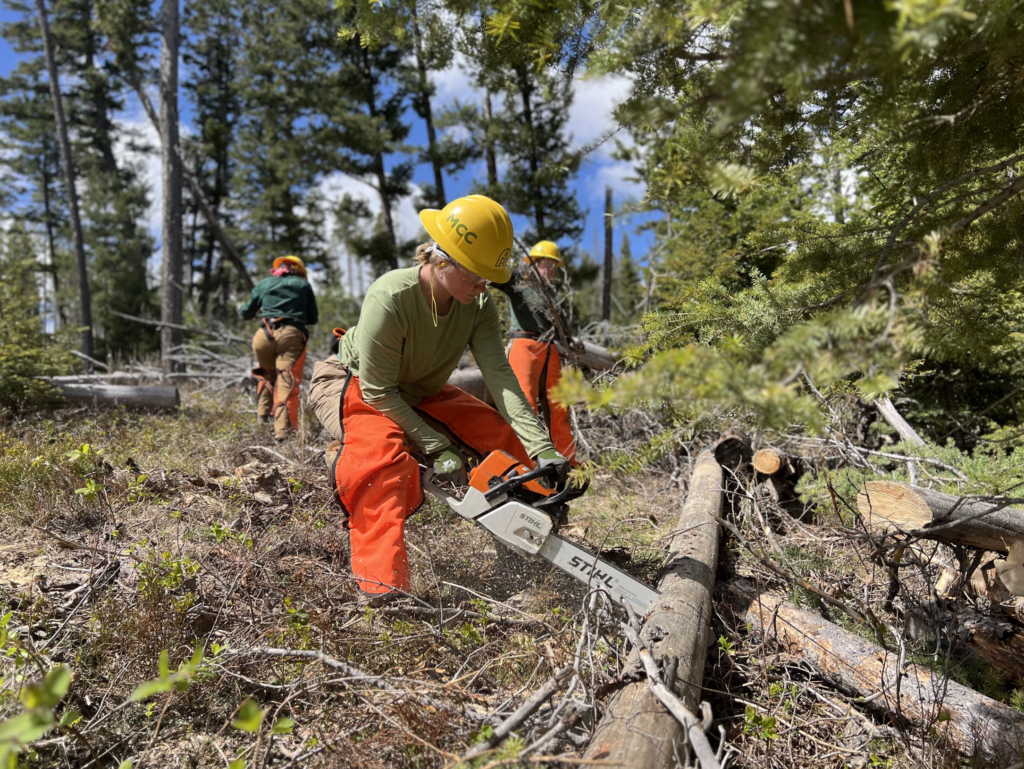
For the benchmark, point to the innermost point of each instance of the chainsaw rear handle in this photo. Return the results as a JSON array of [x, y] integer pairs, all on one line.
[[568, 491]]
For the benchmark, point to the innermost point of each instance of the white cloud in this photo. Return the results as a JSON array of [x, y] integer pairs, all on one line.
[[454, 83], [616, 175], [335, 186], [591, 116]]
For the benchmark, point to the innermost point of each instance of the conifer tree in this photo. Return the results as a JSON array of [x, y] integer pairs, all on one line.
[[277, 154], [539, 162], [113, 200], [367, 124], [34, 174], [70, 187], [211, 48], [171, 289], [628, 287]]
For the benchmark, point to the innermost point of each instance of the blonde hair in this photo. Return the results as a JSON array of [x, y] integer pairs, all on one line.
[[425, 254]]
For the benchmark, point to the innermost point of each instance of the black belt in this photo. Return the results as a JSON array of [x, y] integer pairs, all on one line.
[[522, 335]]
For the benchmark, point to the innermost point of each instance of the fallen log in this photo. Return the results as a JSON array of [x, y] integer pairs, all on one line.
[[974, 725], [121, 395], [767, 461], [636, 730], [594, 356], [471, 380], [732, 450], [942, 517], [120, 377]]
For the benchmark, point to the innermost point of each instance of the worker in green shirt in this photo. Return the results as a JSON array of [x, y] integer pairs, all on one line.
[[532, 352], [286, 306], [385, 395]]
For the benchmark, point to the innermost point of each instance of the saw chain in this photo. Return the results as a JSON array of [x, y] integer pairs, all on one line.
[[509, 501]]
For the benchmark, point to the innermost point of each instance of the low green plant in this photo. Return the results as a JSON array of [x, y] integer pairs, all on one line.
[[759, 726]]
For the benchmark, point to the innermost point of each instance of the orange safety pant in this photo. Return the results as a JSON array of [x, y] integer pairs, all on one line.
[[281, 354], [538, 367], [376, 478]]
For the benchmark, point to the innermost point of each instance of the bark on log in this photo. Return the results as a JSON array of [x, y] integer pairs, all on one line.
[[767, 461], [635, 729], [976, 726], [993, 638], [732, 450], [594, 356], [121, 395], [943, 517]]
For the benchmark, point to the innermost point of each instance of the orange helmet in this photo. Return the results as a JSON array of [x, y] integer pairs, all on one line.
[[294, 261]]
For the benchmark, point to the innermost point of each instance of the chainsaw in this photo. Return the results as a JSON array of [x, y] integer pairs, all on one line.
[[510, 502]]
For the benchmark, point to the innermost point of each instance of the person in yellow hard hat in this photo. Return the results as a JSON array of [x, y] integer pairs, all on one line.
[[287, 306], [532, 352], [385, 396]]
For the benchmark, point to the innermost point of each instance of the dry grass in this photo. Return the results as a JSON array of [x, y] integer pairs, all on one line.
[[198, 531]]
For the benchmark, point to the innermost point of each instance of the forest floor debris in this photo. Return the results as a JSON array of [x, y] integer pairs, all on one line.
[[126, 536]]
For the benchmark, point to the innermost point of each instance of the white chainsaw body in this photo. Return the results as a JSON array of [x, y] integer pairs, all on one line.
[[530, 531]]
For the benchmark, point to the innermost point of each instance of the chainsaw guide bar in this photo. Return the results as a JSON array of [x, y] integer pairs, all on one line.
[[497, 501]]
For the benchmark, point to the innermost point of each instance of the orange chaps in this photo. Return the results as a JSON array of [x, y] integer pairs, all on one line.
[[378, 481], [538, 368], [281, 354]]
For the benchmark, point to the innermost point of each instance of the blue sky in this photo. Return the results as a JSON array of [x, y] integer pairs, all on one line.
[[589, 119]]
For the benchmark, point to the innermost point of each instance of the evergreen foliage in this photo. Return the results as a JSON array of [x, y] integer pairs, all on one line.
[[210, 46], [112, 196], [823, 168], [27, 352]]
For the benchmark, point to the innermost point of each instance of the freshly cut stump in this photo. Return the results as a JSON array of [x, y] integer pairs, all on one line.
[[767, 461], [975, 523]]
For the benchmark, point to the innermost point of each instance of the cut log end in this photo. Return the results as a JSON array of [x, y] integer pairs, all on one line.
[[986, 524], [891, 506], [767, 461]]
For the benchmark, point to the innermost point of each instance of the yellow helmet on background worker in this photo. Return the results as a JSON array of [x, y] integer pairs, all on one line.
[[476, 232], [545, 249], [292, 260]]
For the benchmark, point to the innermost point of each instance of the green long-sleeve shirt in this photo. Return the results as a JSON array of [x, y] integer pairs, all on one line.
[[400, 358], [283, 296], [530, 311]]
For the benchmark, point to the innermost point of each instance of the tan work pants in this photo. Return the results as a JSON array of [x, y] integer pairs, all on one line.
[[281, 354]]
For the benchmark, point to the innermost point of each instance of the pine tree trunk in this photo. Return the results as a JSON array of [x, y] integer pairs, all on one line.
[[84, 297], [428, 117], [171, 289], [51, 247], [526, 89], [635, 731], [382, 179], [492, 161], [973, 724], [606, 294]]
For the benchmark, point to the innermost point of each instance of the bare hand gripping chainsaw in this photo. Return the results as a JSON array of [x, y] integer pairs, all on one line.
[[507, 499]]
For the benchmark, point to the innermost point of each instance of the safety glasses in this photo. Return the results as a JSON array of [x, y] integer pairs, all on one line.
[[461, 272]]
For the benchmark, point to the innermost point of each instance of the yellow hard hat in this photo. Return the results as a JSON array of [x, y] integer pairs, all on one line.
[[476, 232], [545, 250], [293, 260]]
